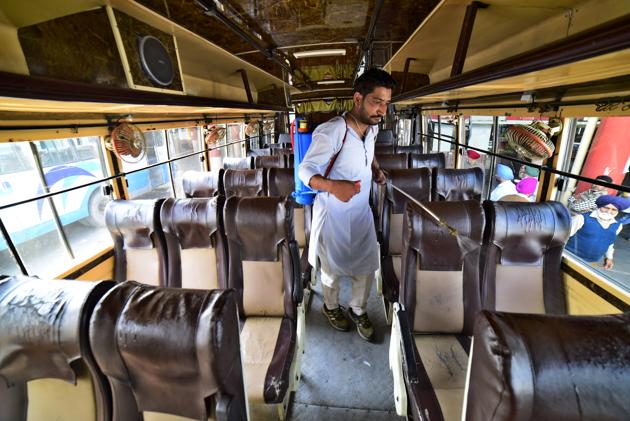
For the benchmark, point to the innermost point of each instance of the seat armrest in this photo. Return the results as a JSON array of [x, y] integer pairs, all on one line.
[[410, 360], [298, 288], [277, 380]]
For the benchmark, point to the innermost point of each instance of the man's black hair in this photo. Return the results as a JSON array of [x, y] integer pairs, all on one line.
[[372, 79]]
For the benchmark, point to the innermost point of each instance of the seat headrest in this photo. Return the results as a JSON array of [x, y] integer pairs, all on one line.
[[423, 233], [237, 163], [453, 184], [409, 149], [428, 160], [392, 161], [201, 183], [167, 344], [415, 182], [44, 326], [284, 139], [259, 152], [134, 221], [273, 161], [524, 232], [280, 181], [549, 367], [244, 183], [385, 136], [193, 221], [259, 225]]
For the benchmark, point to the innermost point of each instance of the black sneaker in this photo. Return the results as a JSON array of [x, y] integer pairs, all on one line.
[[337, 318], [363, 324]]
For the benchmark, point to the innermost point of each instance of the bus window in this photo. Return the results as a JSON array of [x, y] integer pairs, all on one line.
[[181, 142], [154, 182], [478, 135], [235, 132], [65, 163], [216, 137], [443, 128], [600, 148]]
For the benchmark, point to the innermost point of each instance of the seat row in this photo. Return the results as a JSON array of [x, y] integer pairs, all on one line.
[[457, 258], [280, 158], [271, 182], [106, 351], [243, 243]]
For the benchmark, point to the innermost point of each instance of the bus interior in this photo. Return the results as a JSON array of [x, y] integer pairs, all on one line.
[[154, 258]]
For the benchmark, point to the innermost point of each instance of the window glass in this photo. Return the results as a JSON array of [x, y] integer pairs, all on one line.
[[66, 163], [479, 135], [154, 182], [404, 132], [216, 137], [442, 127], [181, 142], [235, 133], [600, 147]]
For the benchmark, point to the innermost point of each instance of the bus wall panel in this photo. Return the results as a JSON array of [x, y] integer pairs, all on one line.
[[104, 270], [79, 47], [583, 301]]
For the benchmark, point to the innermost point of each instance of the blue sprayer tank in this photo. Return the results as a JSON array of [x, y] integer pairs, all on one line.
[[304, 195]]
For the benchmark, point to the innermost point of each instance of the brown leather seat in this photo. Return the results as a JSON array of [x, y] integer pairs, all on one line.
[[440, 295], [522, 252], [47, 370], [428, 160], [259, 152], [238, 163], [417, 183], [273, 161], [282, 151], [543, 367], [139, 249], [453, 185], [281, 182], [384, 142], [170, 351], [202, 183], [264, 270], [195, 242], [386, 162], [245, 183], [415, 149]]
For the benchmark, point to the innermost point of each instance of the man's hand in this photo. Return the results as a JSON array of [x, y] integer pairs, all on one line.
[[379, 175], [608, 263], [343, 189]]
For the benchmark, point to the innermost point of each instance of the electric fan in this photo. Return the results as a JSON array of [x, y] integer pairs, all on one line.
[[127, 142]]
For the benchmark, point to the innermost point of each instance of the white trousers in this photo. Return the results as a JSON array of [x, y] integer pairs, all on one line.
[[360, 291]]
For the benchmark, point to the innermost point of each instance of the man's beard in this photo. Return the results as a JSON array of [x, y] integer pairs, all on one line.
[[365, 118]]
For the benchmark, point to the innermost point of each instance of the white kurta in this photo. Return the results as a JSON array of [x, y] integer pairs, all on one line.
[[503, 189], [342, 232]]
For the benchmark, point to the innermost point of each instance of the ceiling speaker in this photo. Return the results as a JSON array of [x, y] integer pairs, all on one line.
[[156, 61]]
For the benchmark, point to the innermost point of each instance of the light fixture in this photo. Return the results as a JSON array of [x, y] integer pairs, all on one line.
[[330, 82], [320, 53]]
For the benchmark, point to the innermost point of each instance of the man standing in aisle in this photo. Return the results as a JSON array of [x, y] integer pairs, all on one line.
[[340, 165]]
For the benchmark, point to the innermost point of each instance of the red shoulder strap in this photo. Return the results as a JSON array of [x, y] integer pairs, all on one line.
[[334, 158]]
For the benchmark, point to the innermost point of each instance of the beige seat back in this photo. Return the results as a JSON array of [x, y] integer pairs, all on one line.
[[47, 370], [522, 253], [139, 249], [195, 242], [169, 353]]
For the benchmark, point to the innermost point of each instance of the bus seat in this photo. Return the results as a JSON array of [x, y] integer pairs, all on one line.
[[522, 251], [549, 367], [385, 137], [290, 160], [139, 249], [440, 299], [195, 242], [415, 149], [281, 182], [386, 162], [259, 152], [416, 183], [453, 185], [273, 161], [238, 163], [202, 183], [170, 351], [264, 270], [245, 183], [429, 160], [46, 365], [282, 151]]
